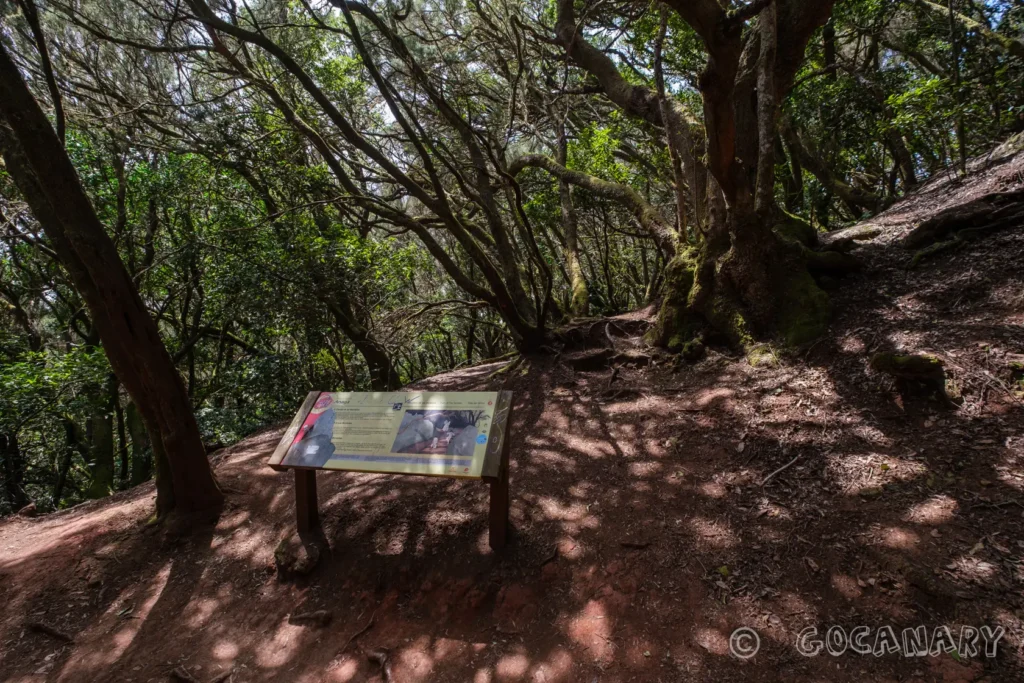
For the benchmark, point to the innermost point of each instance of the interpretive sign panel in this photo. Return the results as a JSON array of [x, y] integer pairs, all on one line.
[[427, 433]]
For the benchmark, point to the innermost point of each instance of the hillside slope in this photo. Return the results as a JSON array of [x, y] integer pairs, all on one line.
[[657, 508]]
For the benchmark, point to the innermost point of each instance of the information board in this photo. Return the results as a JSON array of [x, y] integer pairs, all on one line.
[[426, 433]]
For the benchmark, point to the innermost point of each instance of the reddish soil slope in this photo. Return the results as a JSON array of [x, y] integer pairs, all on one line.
[[644, 536]]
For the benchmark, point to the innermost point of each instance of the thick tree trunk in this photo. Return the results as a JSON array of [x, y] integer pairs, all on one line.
[[43, 172], [745, 280]]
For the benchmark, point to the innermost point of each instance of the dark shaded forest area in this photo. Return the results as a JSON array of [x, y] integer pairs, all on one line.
[[209, 208], [357, 196]]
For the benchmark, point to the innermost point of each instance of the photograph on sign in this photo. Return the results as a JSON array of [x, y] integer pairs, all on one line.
[[441, 432]]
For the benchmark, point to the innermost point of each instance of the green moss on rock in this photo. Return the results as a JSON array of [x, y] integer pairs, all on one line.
[[762, 355], [796, 229], [693, 351], [805, 310], [920, 367]]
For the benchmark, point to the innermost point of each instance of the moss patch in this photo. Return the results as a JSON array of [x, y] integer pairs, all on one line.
[[922, 367], [676, 325], [933, 249], [728, 320], [804, 310], [762, 355], [693, 351], [796, 229]]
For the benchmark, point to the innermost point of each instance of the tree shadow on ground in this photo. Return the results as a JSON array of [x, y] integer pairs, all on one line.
[[650, 524]]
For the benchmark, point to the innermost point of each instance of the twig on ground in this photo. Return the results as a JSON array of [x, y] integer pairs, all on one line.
[[359, 633], [553, 556], [52, 631], [784, 467], [635, 545], [181, 675], [1000, 504]]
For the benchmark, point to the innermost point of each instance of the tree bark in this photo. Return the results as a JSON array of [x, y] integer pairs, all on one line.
[[743, 279], [43, 172], [100, 437], [579, 301], [13, 471], [142, 449]]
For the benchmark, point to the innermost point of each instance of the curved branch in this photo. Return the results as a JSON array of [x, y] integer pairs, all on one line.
[[648, 215], [28, 8], [1011, 45]]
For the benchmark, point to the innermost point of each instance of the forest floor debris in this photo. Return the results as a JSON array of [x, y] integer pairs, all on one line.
[[652, 518]]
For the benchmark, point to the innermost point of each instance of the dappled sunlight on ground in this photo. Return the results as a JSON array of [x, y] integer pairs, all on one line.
[[652, 516]]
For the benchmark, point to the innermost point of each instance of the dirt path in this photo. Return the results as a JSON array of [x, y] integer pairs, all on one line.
[[644, 535]]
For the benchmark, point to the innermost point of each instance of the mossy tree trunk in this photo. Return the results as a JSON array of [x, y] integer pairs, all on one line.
[[742, 279], [579, 303]]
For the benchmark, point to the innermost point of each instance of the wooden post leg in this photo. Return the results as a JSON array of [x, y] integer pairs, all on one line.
[[499, 512], [499, 524], [307, 514]]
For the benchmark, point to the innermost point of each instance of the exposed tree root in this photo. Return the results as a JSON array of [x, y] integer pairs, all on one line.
[[969, 221], [382, 658], [602, 359], [319, 618], [595, 333], [847, 239], [933, 249]]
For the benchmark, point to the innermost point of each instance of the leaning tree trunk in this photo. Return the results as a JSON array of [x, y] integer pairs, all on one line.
[[383, 373], [43, 172]]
